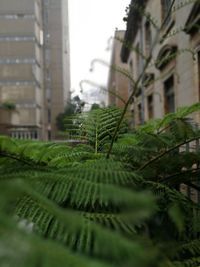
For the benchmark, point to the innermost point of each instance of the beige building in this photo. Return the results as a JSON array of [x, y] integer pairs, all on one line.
[[118, 83], [57, 60], [172, 79], [34, 71]]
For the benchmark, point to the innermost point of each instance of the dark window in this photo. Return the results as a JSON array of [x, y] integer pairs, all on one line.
[[140, 114], [150, 106], [131, 72], [165, 5], [49, 135], [148, 38], [131, 67], [169, 95], [138, 59], [193, 22], [35, 135], [199, 73], [49, 115]]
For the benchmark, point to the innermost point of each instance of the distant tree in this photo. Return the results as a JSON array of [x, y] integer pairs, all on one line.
[[95, 106], [69, 111], [75, 106], [79, 104], [8, 105]]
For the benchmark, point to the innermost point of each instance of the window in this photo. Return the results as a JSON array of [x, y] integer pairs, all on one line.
[[198, 58], [139, 114], [148, 79], [17, 83], [17, 16], [34, 135], [24, 134], [165, 5], [193, 22], [131, 72], [49, 115], [138, 60], [17, 38], [17, 61], [49, 135], [41, 37], [131, 67], [169, 95], [166, 54], [150, 106], [148, 38]]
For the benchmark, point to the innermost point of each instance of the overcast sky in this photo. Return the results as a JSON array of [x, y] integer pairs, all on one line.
[[92, 23]]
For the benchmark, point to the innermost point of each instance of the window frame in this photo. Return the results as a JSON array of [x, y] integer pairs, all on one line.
[[169, 92]]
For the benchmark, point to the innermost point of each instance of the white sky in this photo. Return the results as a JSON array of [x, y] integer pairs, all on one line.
[[92, 23]]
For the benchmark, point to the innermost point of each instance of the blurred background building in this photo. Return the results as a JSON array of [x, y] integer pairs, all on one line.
[[34, 67], [118, 83]]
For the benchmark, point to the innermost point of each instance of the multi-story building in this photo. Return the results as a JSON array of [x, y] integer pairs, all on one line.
[[118, 83], [57, 60], [32, 66], [21, 67], [172, 78]]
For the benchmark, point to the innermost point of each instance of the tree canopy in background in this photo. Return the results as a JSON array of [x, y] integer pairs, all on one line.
[[75, 106]]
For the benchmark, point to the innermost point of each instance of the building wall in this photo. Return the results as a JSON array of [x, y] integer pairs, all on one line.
[[13, 7], [118, 83], [58, 65], [183, 67], [66, 51], [21, 73]]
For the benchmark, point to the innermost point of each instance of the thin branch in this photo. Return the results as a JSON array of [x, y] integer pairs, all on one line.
[[164, 129], [191, 171], [101, 88], [196, 187], [11, 156], [166, 152]]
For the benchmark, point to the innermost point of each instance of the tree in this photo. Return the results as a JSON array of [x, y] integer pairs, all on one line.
[[8, 106], [69, 111], [73, 107], [95, 106]]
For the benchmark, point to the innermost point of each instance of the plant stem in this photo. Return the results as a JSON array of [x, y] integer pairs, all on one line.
[[167, 151], [2, 154], [191, 171]]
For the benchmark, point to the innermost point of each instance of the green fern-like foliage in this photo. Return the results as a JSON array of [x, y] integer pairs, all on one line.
[[63, 205], [97, 127]]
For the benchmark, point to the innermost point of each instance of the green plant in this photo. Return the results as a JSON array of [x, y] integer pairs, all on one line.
[[95, 106], [8, 106], [93, 211], [64, 121]]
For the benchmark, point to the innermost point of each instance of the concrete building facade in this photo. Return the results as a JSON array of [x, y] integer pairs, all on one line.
[[172, 79], [118, 83], [30, 54], [21, 68], [57, 60]]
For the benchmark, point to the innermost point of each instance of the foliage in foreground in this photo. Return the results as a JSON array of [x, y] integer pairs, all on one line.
[[74, 206]]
